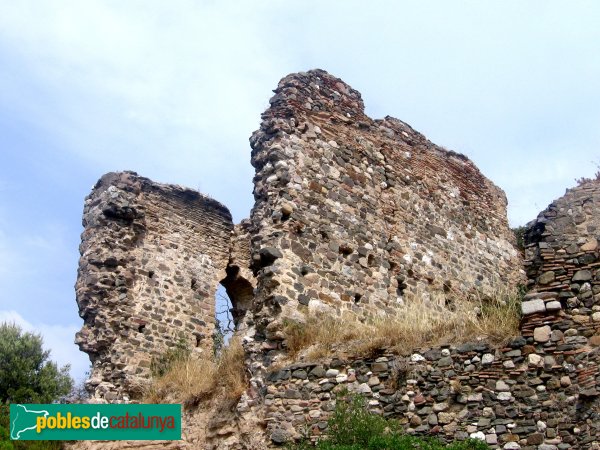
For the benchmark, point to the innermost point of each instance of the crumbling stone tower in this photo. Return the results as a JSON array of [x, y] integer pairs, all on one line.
[[352, 216], [151, 259]]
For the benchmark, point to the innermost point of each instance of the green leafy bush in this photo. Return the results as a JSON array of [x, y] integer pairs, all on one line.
[[26, 373], [27, 376], [520, 237], [353, 427]]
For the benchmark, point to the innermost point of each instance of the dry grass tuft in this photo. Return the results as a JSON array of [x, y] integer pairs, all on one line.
[[231, 371], [495, 320], [190, 380]]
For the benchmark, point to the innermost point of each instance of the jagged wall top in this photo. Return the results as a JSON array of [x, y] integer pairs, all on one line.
[[130, 181], [315, 91], [359, 215], [322, 96]]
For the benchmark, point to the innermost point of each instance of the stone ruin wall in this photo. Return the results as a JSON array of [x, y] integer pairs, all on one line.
[[351, 216], [152, 256], [358, 216], [538, 392]]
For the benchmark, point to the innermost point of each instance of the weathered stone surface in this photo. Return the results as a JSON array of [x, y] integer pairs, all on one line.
[[501, 386], [532, 307], [354, 216], [590, 245], [535, 360], [487, 358], [553, 306], [152, 256], [279, 436], [546, 277], [386, 210], [542, 334], [582, 275]]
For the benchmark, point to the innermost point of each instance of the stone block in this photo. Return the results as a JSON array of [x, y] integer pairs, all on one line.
[[533, 306]]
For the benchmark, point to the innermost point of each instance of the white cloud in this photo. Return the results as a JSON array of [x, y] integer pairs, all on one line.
[[57, 338], [174, 89], [37, 270], [171, 92]]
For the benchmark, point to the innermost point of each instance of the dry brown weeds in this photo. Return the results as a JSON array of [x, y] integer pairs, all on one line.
[[190, 380], [494, 319]]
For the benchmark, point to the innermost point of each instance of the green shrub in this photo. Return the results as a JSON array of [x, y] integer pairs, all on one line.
[[520, 237], [27, 376], [353, 427], [26, 373], [352, 423], [7, 444]]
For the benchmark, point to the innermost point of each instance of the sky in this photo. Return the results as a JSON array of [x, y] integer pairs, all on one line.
[[173, 90]]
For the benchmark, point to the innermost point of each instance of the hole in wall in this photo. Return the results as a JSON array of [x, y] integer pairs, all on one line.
[[193, 283], [240, 293], [447, 286], [401, 286], [141, 328], [233, 299], [345, 249], [224, 322], [151, 274], [357, 297], [89, 318]]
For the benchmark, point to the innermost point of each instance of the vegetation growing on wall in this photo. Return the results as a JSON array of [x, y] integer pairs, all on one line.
[[519, 237], [494, 319], [185, 378], [353, 427]]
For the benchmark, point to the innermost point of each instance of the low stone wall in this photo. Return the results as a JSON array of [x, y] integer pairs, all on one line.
[[520, 396]]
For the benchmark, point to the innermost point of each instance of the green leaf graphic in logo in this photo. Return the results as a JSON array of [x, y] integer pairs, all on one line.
[[24, 420]]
